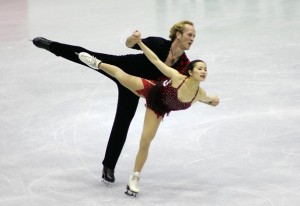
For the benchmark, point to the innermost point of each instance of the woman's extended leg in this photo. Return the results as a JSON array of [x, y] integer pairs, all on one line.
[[131, 82]]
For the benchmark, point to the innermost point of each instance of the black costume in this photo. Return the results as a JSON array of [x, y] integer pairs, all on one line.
[[134, 64]]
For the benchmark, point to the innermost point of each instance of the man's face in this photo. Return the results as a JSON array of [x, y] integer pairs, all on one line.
[[186, 39]]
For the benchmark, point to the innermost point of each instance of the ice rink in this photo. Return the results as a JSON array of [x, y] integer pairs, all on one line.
[[56, 116]]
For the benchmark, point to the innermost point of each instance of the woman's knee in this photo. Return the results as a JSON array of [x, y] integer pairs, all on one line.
[[145, 144]]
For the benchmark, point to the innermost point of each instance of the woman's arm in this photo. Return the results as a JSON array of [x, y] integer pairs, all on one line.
[[207, 99], [166, 70]]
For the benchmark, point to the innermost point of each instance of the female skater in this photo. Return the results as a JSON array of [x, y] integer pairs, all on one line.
[[177, 93]]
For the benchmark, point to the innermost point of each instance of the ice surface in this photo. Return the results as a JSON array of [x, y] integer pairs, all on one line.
[[55, 116]]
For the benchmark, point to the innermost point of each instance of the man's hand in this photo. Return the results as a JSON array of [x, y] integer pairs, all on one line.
[[136, 36], [133, 39]]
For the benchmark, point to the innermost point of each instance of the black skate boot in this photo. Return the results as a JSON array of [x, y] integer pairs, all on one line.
[[42, 43], [108, 176]]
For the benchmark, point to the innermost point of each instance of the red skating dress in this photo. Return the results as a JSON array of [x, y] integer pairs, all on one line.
[[162, 98]]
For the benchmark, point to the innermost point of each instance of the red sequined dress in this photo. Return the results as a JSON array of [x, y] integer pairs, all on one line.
[[162, 98]]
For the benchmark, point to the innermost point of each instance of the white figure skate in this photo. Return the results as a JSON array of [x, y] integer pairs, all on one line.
[[132, 188], [89, 60]]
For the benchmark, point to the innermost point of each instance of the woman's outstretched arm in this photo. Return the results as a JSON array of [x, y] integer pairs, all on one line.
[[208, 99], [166, 70]]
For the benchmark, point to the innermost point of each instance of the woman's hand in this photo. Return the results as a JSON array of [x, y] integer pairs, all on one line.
[[214, 101]]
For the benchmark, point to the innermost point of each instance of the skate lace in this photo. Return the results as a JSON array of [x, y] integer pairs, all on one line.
[[92, 60]]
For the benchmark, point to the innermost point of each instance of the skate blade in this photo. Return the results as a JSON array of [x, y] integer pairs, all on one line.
[[130, 193], [106, 183]]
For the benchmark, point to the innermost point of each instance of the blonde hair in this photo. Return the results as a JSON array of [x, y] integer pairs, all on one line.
[[178, 27]]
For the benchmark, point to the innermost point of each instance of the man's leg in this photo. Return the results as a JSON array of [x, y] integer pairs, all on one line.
[[70, 52], [126, 108], [127, 103]]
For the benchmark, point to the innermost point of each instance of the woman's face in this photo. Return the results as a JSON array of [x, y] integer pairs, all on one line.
[[199, 71]]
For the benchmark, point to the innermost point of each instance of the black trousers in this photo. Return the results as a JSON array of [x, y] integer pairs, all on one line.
[[127, 101]]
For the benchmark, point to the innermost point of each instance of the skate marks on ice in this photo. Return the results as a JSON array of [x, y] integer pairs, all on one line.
[[251, 161]]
